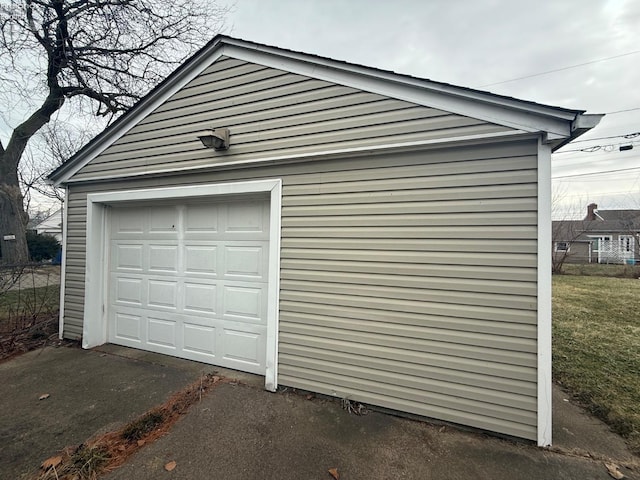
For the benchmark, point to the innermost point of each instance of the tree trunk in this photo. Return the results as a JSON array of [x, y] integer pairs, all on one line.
[[13, 218], [13, 226]]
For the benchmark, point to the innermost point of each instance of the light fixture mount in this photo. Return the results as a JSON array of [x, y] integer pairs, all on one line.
[[216, 138]]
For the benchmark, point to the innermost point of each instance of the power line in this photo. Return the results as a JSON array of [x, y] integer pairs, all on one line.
[[596, 180], [560, 69], [602, 148], [597, 173], [622, 111], [581, 195], [627, 135]]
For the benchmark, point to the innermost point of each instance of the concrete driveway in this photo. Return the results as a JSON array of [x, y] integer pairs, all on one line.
[[240, 431]]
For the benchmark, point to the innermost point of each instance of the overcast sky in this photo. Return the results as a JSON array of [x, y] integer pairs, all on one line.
[[481, 43]]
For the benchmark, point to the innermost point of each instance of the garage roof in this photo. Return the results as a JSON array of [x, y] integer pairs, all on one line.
[[558, 125]]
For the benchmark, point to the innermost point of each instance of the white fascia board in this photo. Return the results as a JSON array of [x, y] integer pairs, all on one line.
[[487, 107], [586, 122], [544, 403], [317, 61]]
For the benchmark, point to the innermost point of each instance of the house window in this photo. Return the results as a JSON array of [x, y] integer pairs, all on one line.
[[562, 246], [627, 244]]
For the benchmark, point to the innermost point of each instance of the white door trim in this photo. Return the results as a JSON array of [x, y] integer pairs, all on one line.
[[63, 263], [94, 330]]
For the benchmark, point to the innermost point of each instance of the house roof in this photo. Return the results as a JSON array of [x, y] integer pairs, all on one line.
[[558, 125], [53, 221], [620, 216], [606, 221]]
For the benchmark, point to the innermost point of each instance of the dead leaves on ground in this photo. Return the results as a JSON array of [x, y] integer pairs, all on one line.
[[334, 473], [52, 462], [170, 466]]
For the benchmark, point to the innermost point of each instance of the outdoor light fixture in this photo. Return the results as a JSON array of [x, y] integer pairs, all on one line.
[[217, 138]]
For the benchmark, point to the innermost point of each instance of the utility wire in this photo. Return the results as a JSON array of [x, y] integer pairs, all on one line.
[[597, 173], [627, 135], [560, 69], [601, 148], [622, 111]]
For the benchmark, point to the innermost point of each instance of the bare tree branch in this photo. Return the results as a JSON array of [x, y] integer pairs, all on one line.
[[56, 54]]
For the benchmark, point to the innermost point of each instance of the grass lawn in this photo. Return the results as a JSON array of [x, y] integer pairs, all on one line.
[[596, 347]]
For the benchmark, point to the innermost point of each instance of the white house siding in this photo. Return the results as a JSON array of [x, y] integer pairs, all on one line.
[[270, 113], [408, 281]]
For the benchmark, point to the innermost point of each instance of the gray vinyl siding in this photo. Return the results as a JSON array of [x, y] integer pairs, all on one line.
[[407, 281], [270, 113]]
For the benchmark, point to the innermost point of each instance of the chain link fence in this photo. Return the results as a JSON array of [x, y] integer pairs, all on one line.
[[29, 306]]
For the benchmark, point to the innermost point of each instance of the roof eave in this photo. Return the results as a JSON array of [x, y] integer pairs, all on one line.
[[579, 126], [558, 125]]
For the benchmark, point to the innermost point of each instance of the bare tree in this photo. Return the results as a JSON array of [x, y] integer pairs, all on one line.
[[565, 235], [567, 232], [53, 144], [97, 56]]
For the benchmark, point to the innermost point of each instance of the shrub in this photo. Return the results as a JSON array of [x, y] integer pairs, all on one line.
[[42, 246]]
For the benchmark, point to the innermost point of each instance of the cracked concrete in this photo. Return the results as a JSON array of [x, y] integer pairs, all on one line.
[[240, 431]]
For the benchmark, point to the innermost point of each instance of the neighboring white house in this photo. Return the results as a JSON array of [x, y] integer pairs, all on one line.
[[52, 225], [333, 227]]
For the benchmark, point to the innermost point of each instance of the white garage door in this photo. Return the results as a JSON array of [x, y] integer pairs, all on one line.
[[190, 280]]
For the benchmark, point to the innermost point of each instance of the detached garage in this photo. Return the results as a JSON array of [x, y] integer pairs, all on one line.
[[333, 227]]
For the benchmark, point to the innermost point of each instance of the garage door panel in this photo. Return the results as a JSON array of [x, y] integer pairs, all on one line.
[[127, 327], [129, 291], [128, 257], [163, 294], [201, 259], [246, 217], [128, 223], [244, 303], [201, 219], [163, 220], [226, 343], [199, 339], [242, 346], [200, 298], [245, 261], [190, 280], [163, 258], [162, 332]]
